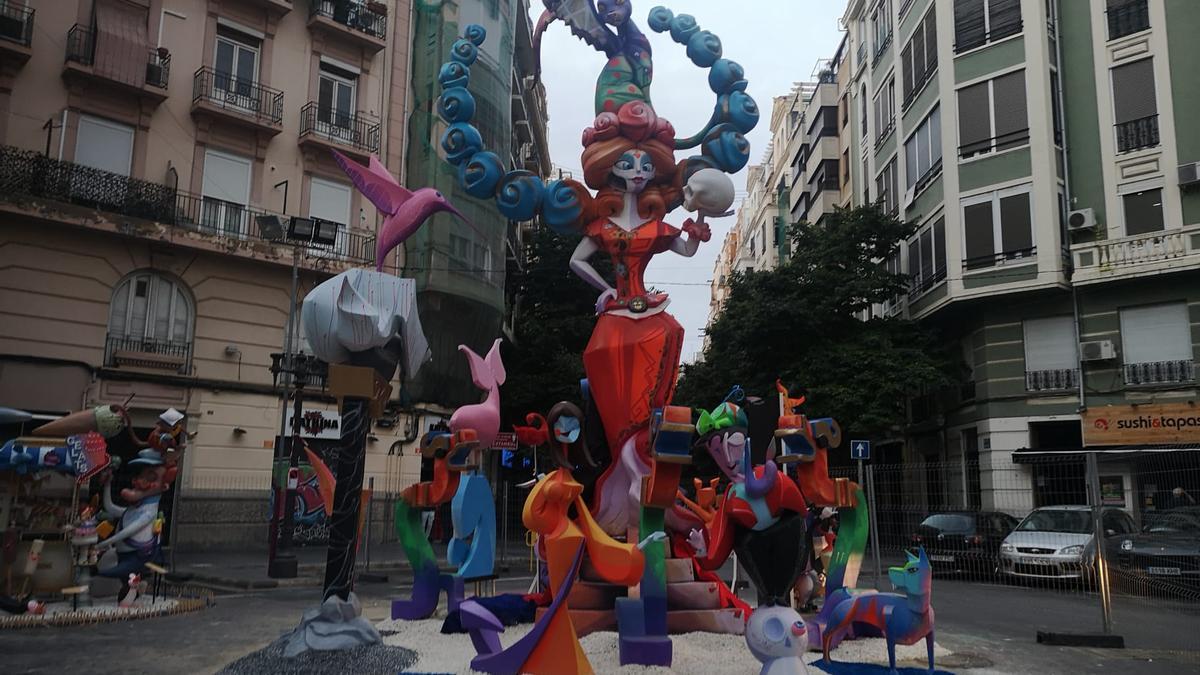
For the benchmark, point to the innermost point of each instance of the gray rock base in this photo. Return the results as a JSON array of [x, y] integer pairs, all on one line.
[[336, 625], [375, 659]]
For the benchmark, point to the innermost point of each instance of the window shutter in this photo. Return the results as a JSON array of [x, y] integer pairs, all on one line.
[[918, 56], [974, 119], [977, 230], [914, 261], [906, 61], [329, 201], [911, 148], [927, 255], [1156, 333], [1016, 227], [1012, 127], [226, 177], [1050, 344], [931, 39], [969, 28], [1004, 18], [104, 145], [1133, 91], [935, 136]]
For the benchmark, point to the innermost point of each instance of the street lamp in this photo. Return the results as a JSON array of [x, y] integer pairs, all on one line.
[[296, 370]]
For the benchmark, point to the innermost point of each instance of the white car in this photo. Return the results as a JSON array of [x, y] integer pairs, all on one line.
[[1056, 542]]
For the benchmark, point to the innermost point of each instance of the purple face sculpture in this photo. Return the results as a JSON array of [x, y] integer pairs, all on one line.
[[726, 448], [614, 12]]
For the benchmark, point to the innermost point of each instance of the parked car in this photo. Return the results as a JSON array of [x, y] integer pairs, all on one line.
[[1166, 551], [964, 541], [1056, 542]]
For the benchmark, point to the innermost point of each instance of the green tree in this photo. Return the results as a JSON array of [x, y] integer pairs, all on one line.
[[802, 322], [555, 313]]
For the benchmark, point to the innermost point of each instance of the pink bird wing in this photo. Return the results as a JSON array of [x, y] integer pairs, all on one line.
[[382, 190]]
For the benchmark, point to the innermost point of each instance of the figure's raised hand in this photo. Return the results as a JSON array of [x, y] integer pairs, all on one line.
[[696, 540], [651, 538]]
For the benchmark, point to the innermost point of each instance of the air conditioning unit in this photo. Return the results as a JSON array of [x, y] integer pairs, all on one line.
[[1189, 174], [1097, 350], [1083, 219]]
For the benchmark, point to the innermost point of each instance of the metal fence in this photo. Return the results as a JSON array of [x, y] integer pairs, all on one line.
[[1114, 530]]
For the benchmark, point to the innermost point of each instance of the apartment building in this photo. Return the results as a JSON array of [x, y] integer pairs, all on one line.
[[149, 149], [1043, 148]]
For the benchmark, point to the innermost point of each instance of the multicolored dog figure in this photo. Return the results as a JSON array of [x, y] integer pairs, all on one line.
[[902, 618]]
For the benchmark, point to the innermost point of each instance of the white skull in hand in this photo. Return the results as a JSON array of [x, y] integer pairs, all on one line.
[[709, 192], [696, 539]]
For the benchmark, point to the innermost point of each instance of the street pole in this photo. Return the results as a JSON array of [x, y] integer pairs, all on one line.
[[281, 564], [1102, 581], [873, 503]]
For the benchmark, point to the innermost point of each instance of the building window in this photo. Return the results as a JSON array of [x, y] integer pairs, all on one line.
[[881, 22], [104, 145], [885, 110], [863, 98], [997, 228], [1134, 105], [150, 323], [845, 168], [923, 152], [825, 177], [1050, 357], [236, 66], [885, 187], [927, 258], [919, 57], [1056, 108], [893, 265], [226, 193], [1143, 212], [978, 22], [1156, 342], [330, 201], [1126, 17], [336, 91], [992, 115]]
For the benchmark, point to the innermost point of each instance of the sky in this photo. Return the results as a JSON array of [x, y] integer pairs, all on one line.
[[778, 43]]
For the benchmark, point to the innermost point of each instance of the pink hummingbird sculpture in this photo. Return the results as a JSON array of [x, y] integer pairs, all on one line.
[[488, 374], [406, 210]]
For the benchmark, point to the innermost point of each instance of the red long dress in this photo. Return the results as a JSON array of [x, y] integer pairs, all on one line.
[[632, 363]]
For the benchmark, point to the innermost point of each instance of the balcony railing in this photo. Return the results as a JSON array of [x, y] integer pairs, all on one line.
[[30, 174], [884, 132], [861, 58], [1137, 134], [967, 391], [1160, 372], [16, 23], [1060, 379], [147, 352], [241, 96], [928, 177], [918, 86], [354, 130], [81, 44], [1128, 18], [998, 259], [352, 14], [881, 48], [158, 68], [1005, 141], [921, 284]]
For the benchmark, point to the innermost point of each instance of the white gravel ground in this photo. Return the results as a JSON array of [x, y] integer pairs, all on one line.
[[707, 653]]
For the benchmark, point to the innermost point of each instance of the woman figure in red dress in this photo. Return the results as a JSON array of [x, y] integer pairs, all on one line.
[[632, 359]]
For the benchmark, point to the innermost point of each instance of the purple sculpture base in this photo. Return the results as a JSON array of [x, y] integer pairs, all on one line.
[[635, 647], [428, 585], [485, 629]]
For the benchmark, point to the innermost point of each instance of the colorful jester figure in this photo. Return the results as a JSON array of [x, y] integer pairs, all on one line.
[[761, 515], [902, 618]]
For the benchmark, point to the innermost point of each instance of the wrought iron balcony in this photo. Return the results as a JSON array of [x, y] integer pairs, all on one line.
[[25, 174], [16, 23], [1137, 134], [1005, 141], [1160, 372], [352, 18], [81, 49], [1128, 18], [147, 352], [922, 284], [1060, 379], [241, 98], [352, 130], [880, 49]]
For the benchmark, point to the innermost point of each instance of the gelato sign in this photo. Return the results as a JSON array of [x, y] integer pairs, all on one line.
[[1142, 424]]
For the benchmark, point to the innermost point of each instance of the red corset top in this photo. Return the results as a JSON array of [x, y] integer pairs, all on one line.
[[631, 253]]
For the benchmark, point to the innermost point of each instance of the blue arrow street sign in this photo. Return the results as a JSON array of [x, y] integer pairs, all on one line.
[[860, 449]]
